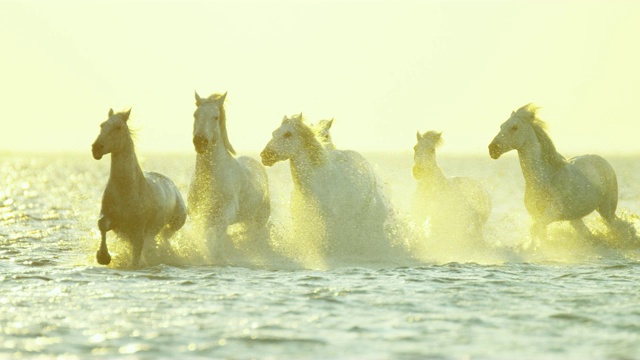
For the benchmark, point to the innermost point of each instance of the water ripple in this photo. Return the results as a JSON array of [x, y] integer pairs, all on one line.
[[57, 302]]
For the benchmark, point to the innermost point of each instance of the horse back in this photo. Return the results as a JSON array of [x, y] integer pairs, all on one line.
[[594, 167], [354, 184], [352, 166]]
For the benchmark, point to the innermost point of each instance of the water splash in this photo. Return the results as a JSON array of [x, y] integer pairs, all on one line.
[[54, 202]]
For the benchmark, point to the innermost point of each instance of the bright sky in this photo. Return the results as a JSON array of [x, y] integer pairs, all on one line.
[[383, 69]]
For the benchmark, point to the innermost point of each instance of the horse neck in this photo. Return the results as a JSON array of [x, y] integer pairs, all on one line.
[[304, 168], [125, 169], [535, 169], [434, 173], [215, 161], [433, 180]]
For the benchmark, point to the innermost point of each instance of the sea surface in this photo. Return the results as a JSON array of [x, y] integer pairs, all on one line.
[[495, 296]]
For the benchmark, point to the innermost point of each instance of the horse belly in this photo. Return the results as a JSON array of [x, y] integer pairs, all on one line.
[[575, 191], [593, 182]]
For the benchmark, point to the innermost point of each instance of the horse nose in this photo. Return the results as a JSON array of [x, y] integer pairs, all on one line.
[[267, 158], [494, 150], [200, 143], [97, 150]]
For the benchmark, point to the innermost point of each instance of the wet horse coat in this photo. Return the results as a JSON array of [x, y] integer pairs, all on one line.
[[334, 190], [136, 205], [556, 189], [224, 190], [454, 206]]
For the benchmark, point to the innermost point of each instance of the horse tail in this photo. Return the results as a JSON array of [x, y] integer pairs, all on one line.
[[607, 208]]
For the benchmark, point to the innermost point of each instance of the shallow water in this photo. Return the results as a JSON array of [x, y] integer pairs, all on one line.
[[490, 298]]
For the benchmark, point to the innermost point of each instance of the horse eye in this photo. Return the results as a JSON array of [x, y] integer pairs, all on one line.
[[119, 127], [514, 128], [287, 135]]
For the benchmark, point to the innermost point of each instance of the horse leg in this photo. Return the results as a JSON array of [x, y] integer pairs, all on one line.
[[260, 222], [151, 249], [215, 232], [618, 227], [258, 226], [102, 255], [137, 242], [221, 232], [229, 217], [608, 211], [538, 233], [582, 229], [175, 224], [177, 221]]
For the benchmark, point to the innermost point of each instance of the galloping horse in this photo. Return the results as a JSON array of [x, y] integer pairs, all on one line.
[[451, 204], [136, 205], [224, 190], [334, 187], [556, 189]]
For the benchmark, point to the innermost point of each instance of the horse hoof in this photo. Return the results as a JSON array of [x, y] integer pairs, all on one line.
[[103, 258]]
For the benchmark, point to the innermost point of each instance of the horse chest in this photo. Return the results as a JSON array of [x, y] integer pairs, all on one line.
[[212, 200], [124, 207], [544, 201]]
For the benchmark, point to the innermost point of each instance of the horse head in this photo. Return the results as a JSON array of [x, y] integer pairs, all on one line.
[[424, 156], [286, 141], [114, 134], [209, 125], [321, 130], [514, 132]]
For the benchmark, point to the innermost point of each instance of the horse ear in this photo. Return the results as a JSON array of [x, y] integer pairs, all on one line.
[[440, 135], [418, 136], [223, 97], [329, 123], [125, 115], [198, 98], [110, 112]]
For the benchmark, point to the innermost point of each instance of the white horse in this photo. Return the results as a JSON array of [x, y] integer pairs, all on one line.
[[334, 187], [224, 190], [136, 205], [457, 205], [556, 189]]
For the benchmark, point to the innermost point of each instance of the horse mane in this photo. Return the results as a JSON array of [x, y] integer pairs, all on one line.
[[549, 152], [314, 147], [434, 137], [321, 131], [131, 133], [222, 120]]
